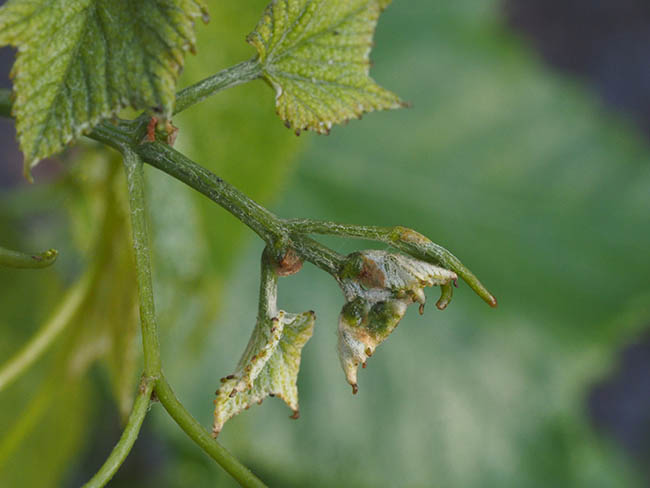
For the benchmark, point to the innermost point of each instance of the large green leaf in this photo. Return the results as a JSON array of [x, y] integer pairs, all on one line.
[[81, 61], [315, 54]]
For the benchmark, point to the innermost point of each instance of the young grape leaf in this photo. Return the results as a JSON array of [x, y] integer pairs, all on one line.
[[80, 61], [378, 287], [314, 53], [269, 366]]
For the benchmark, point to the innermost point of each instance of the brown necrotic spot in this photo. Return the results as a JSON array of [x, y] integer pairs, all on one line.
[[290, 263]]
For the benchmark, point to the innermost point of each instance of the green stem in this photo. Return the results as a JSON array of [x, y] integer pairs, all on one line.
[[401, 238], [227, 78], [140, 232], [317, 254], [203, 438], [267, 225], [15, 259], [175, 164], [152, 363], [267, 306], [129, 435], [45, 337]]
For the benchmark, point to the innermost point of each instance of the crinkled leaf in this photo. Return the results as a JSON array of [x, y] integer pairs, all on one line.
[[378, 287], [315, 54], [80, 61], [269, 366]]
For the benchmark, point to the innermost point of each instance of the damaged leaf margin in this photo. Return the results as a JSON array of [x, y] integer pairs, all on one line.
[[378, 287], [271, 360], [315, 55], [81, 61]]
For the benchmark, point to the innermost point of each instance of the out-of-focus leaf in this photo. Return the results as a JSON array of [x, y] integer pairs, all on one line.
[[49, 427], [45, 415], [110, 314], [186, 295], [81, 61], [315, 54]]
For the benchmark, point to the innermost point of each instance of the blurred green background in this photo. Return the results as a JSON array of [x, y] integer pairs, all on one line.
[[522, 171]]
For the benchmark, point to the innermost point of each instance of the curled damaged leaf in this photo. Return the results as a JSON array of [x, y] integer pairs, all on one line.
[[80, 61], [269, 366], [378, 287], [315, 54]]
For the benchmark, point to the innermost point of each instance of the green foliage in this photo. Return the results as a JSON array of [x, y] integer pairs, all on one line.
[[482, 399], [45, 415], [54, 403], [50, 427], [82, 61], [315, 54]]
